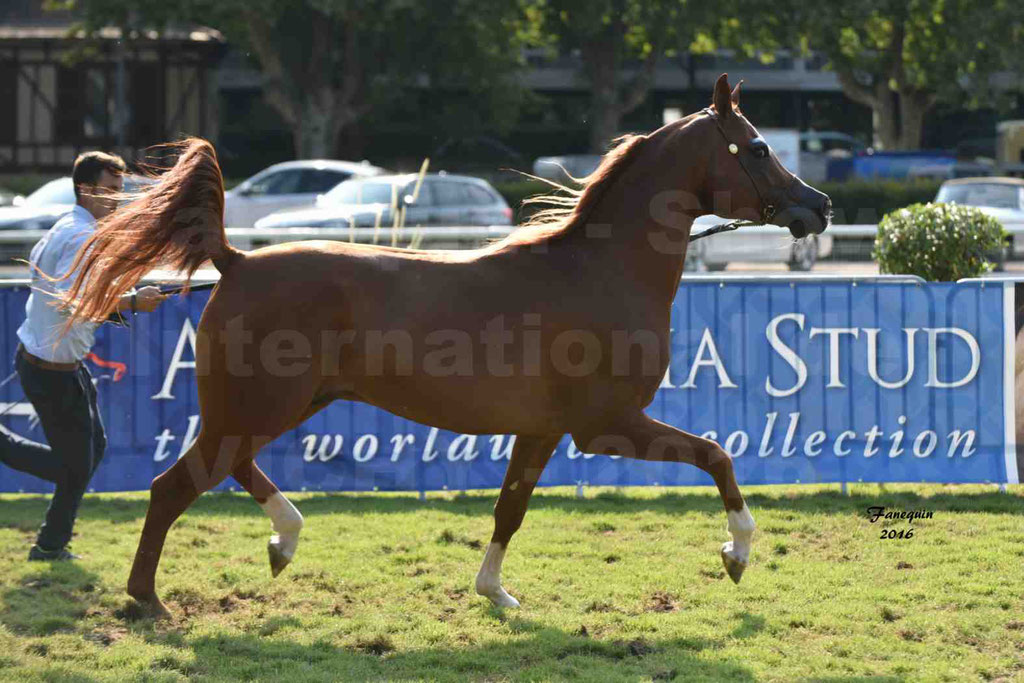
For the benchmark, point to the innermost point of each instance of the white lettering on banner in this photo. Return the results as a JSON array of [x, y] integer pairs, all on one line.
[[787, 445], [787, 354], [186, 336], [956, 437], [837, 448], [498, 452], [933, 357], [365, 448], [707, 344], [872, 336], [765, 449], [812, 446], [732, 449], [162, 439], [398, 444], [429, 452], [191, 434], [833, 351], [313, 453], [462, 448]]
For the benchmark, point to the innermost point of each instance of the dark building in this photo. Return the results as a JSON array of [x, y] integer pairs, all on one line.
[[62, 92]]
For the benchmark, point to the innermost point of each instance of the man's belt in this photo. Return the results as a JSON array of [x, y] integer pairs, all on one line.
[[46, 364]]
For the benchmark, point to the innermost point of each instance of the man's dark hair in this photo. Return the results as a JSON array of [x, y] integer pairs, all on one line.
[[90, 165]]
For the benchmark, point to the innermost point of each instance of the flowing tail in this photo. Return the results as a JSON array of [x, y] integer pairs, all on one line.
[[178, 224]]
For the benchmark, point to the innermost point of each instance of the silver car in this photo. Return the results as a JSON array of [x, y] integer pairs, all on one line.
[[444, 200], [1001, 198], [288, 185]]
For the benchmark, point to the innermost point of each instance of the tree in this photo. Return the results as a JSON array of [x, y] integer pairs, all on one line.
[[620, 43], [327, 63], [898, 57]]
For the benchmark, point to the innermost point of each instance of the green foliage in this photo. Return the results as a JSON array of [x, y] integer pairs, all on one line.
[[938, 242]]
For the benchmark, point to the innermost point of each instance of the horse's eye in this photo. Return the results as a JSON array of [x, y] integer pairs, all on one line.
[[759, 147]]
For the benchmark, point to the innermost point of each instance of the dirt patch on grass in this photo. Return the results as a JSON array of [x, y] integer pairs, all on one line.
[[448, 537], [106, 636], [378, 645], [663, 602]]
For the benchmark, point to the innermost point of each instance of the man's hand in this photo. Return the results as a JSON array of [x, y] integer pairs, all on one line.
[[148, 299]]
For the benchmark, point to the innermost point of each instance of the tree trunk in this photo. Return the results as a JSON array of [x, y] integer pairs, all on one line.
[[605, 117], [913, 108], [315, 135], [884, 121]]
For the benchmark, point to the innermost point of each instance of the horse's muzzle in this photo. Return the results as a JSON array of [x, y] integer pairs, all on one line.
[[808, 211]]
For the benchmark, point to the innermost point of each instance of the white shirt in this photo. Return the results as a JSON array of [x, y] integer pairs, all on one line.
[[54, 255]]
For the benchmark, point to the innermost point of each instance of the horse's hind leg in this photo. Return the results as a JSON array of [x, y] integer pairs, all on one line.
[[640, 436], [285, 518], [529, 456], [207, 463]]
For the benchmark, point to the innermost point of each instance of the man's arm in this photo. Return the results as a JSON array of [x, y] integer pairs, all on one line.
[[144, 300]]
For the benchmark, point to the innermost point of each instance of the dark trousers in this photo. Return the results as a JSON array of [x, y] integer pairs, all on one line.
[[66, 404]]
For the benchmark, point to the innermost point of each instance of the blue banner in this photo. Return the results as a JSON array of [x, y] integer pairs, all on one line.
[[800, 382]]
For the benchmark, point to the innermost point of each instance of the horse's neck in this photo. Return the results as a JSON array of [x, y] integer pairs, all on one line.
[[637, 229]]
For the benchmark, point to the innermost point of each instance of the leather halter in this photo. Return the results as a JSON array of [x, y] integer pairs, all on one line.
[[767, 207]]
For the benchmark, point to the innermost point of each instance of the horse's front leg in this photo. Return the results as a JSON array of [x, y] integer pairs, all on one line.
[[639, 436], [530, 454]]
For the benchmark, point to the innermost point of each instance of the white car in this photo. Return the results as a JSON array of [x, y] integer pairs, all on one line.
[[754, 244], [289, 185], [1001, 198]]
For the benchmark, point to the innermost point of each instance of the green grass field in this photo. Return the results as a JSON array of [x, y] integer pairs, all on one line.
[[617, 586]]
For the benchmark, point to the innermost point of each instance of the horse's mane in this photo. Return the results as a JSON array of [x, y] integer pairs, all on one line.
[[569, 207]]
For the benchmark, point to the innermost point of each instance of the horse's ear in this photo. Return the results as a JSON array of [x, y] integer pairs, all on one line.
[[721, 98], [736, 94]]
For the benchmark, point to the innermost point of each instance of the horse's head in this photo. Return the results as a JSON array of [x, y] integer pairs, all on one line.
[[747, 180]]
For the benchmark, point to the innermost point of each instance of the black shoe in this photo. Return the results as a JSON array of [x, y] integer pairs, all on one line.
[[37, 554]]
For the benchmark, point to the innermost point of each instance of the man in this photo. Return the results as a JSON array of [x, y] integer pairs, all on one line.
[[50, 367]]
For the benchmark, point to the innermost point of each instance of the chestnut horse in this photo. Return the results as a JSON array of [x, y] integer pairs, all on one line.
[[563, 327]]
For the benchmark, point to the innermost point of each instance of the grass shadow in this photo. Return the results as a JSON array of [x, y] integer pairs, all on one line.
[[50, 599], [535, 652]]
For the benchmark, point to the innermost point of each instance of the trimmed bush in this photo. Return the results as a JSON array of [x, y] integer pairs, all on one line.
[[938, 242]]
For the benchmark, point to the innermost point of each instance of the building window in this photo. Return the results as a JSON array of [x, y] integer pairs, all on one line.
[[85, 104], [8, 103]]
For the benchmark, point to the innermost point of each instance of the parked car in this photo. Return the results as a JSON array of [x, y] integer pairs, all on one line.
[[556, 167], [819, 147], [41, 209], [7, 197], [1000, 197], [754, 244], [288, 185], [442, 200]]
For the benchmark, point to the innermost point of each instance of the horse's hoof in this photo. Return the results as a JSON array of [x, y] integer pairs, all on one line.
[[278, 560], [497, 596], [503, 599], [733, 566], [147, 607]]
